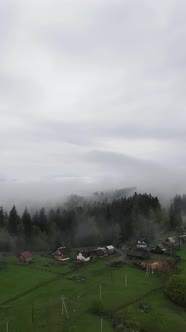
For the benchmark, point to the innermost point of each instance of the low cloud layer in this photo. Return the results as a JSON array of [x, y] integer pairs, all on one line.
[[92, 95]]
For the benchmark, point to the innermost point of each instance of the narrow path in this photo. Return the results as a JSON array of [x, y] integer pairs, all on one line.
[[125, 306], [16, 297], [30, 290]]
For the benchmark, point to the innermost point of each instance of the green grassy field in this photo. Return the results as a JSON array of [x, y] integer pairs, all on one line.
[[163, 316], [30, 297]]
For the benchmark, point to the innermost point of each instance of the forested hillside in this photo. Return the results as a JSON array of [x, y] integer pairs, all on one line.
[[90, 223]]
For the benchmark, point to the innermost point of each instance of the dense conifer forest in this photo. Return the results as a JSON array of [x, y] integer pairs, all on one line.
[[83, 222]]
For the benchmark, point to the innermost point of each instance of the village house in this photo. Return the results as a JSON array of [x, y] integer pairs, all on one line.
[[142, 243], [159, 249], [25, 257], [138, 254], [111, 250], [61, 254], [170, 241], [85, 254]]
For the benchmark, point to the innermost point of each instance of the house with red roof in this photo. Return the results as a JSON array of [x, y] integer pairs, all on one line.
[[25, 257]]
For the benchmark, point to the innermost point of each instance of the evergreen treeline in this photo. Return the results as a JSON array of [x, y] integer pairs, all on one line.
[[85, 224]]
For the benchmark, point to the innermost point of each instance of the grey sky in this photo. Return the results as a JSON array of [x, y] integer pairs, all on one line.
[[92, 95]]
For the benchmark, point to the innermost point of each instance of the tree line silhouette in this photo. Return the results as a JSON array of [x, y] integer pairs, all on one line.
[[86, 223]]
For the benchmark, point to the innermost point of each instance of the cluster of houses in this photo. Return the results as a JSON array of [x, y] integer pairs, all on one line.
[[143, 248], [84, 254], [141, 251], [63, 254]]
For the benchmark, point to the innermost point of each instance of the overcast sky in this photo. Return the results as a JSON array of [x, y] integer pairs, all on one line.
[[92, 96]]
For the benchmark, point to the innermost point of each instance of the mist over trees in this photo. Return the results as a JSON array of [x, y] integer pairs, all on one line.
[[85, 223]]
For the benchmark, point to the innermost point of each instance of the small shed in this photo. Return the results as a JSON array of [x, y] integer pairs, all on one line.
[[170, 241], [182, 238], [145, 307], [111, 249], [25, 257], [159, 249]]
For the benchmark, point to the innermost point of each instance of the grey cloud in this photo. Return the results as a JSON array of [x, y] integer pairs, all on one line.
[[142, 173], [92, 95], [7, 180], [87, 133]]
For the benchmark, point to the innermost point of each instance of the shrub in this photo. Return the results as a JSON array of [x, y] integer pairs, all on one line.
[[176, 289], [97, 307]]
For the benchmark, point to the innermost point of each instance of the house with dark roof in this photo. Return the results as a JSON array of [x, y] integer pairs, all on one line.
[[142, 243], [138, 254]]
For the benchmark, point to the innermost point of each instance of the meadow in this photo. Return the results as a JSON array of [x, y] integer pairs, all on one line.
[[31, 297]]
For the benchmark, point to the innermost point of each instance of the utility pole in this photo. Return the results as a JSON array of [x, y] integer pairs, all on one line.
[[126, 281], [63, 307], [158, 269], [101, 324], [147, 271], [33, 311], [100, 292], [7, 326], [180, 242]]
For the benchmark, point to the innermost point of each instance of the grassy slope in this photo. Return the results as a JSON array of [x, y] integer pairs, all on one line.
[[164, 316], [47, 298], [18, 279]]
